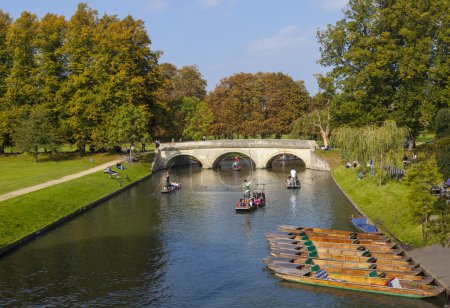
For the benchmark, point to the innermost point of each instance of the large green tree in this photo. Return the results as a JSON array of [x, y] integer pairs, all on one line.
[[5, 68], [388, 62]]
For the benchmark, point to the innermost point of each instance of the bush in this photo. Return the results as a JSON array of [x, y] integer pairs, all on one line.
[[442, 123], [441, 150]]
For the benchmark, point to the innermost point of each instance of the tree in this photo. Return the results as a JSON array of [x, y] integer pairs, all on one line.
[[198, 122], [421, 175], [387, 59], [181, 91], [442, 123], [5, 68], [129, 124], [35, 131], [256, 104], [371, 142]]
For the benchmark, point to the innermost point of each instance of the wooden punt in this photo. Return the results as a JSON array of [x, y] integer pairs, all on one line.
[[353, 235], [289, 228], [240, 207], [417, 272], [387, 247], [325, 238], [363, 225], [355, 283], [340, 253], [341, 263], [277, 263], [330, 240], [168, 190], [395, 254], [366, 276]]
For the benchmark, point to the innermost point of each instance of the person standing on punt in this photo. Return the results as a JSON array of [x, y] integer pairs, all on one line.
[[246, 188], [293, 177]]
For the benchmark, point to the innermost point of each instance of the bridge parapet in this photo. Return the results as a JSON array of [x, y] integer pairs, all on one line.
[[240, 143]]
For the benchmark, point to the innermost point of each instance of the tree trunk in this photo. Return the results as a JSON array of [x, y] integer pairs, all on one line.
[[35, 153], [412, 143], [381, 167], [324, 138], [2, 149]]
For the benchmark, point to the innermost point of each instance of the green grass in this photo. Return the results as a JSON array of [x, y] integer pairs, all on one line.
[[424, 137], [20, 171], [386, 206], [26, 214]]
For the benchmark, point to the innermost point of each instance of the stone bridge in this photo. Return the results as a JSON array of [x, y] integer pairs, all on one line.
[[262, 152]]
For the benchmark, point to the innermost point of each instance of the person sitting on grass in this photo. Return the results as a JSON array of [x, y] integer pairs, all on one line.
[[120, 166], [109, 171]]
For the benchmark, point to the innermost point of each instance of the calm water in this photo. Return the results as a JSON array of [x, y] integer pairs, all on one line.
[[186, 249]]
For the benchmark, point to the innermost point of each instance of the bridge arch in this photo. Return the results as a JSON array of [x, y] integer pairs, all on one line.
[[273, 156], [173, 158], [218, 158]]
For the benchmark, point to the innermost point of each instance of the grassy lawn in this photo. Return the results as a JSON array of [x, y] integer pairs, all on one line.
[[26, 214], [20, 171], [386, 205]]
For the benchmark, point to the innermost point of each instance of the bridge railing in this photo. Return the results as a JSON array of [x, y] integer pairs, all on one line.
[[240, 143]]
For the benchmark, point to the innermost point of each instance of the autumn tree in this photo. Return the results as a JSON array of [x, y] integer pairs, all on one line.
[[5, 68], [261, 104]]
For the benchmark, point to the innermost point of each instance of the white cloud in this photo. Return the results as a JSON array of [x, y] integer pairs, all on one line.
[[156, 5], [289, 39], [331, 5]]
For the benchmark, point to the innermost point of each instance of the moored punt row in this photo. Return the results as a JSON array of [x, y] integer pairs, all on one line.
[[330, 232], [346, 260], [273, 263], [358, 283]]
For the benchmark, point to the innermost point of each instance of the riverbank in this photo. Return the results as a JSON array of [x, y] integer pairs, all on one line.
[[386, 206], [26, 216]]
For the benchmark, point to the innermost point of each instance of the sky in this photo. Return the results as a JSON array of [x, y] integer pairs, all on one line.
[[221, 37]]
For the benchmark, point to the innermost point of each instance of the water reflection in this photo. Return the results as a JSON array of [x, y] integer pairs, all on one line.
[[185, 248]]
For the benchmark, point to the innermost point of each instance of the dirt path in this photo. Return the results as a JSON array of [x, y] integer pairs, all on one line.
[[66, 178]]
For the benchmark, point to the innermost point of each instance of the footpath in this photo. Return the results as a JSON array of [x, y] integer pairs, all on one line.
[[66, 178], [435, 260]]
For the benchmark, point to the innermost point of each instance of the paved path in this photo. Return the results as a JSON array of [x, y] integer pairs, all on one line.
[[435, 259], [66, 178]]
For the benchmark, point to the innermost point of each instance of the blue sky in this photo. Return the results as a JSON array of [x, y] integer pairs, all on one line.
[[222, 37]]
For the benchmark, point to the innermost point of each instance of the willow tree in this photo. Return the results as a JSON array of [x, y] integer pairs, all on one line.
[[383, 144]]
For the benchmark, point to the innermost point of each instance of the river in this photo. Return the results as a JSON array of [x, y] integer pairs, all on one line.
[[185, 249]]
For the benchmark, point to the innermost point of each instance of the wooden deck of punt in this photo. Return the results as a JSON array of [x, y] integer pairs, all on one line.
[[360, 277], [340, 263], [395, 254], [274, 263], [288, 228], [330, 253], [353, 283], [412, 272], [354, 236], [387, 247]]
